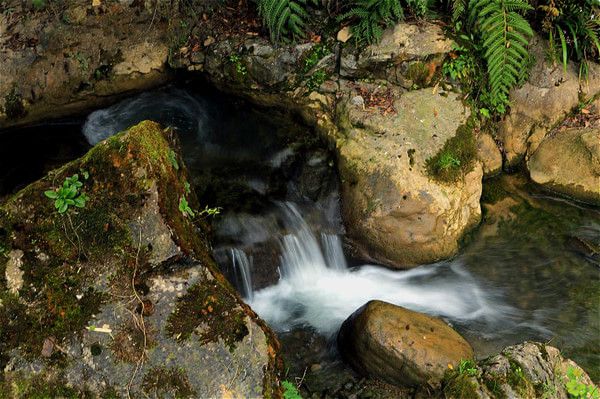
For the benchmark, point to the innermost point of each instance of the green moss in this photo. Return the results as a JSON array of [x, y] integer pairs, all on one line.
[[457, 156], [13, 105], [209, 304], [41, 386], [494, 386], [493, 191], [459, 386], [518, 381], [163, 382]]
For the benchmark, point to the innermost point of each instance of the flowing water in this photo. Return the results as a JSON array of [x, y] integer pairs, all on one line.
[[525, 274]]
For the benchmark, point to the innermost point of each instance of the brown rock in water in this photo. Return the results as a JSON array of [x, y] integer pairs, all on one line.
[[399, 346], [569, 162]]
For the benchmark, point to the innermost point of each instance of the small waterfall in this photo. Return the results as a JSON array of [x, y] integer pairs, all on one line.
[[242, 270], [333, 251], [317, 289]]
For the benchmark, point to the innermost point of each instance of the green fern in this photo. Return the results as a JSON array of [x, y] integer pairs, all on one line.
[[284, 17], [504, 33], [371, 15]]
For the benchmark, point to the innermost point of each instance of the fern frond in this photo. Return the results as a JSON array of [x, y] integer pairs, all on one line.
[[284, 16], [504, 33]]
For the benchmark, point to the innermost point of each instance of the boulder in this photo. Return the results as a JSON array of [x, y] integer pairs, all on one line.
[[489, 155], [404, 52], [121, 296], [569, 162], [399, 346], [545, 99], [527, 370], [392, 206]]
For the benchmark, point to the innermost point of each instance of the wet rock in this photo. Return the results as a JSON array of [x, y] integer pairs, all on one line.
[[391, 205], [527, 370], [569, 163], [545, 99], [489, 154], [400, 346], [128, 295], [400, 46]]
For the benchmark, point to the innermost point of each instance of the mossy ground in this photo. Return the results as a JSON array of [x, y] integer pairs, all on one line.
[[160, 381], [457, 156]]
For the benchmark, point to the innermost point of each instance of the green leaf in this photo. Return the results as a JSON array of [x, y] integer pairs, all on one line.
[[51, 194], [63, 208]]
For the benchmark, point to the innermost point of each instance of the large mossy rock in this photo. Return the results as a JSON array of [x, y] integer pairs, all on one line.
[[527, 370], [399, 346], [122, 296], [393, 206], [569, 163], [547, 97]]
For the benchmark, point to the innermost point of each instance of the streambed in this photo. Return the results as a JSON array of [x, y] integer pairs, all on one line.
[[524, 274]]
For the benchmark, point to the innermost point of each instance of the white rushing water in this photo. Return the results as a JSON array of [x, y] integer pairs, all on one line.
[[317, 289]]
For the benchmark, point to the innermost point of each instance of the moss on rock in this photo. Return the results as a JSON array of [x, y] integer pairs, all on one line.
[[457, 156]]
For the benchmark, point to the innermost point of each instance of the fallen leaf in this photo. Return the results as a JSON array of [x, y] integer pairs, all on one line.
[[585, 111], [435, 88], [435, 112]]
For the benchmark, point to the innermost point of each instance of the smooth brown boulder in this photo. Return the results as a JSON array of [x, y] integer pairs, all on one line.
[[399, 346], [569, 163]]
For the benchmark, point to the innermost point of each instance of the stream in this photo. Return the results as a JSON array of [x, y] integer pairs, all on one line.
[[524, 274]]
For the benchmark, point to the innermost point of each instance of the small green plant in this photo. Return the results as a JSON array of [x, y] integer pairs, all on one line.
[[240, 68], [173, 159], [315, 55], [316, 80], [185, 209], [188, 188], [467, 367], [68, 194], [447, 161], [578, 389], [291, 392], [210, 211]]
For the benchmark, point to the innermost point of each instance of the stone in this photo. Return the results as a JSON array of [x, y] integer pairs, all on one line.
[[399, 346], [134, 279], [393, 209], [544, 100], [489, 155], [344, 34], [527, 370], [569, 163], [400, 43]]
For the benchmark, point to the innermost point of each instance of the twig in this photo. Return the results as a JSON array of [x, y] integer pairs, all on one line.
[[141, 359]]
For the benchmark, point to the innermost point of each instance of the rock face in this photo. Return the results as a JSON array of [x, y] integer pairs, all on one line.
[[121, 297], [545, 99], [528, 370], [489, 155], [404, 54], [400, 346], [390, 203], [569, 162], [69, 58]]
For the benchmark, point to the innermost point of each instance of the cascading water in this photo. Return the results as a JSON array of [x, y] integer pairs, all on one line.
[[317, 289]]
